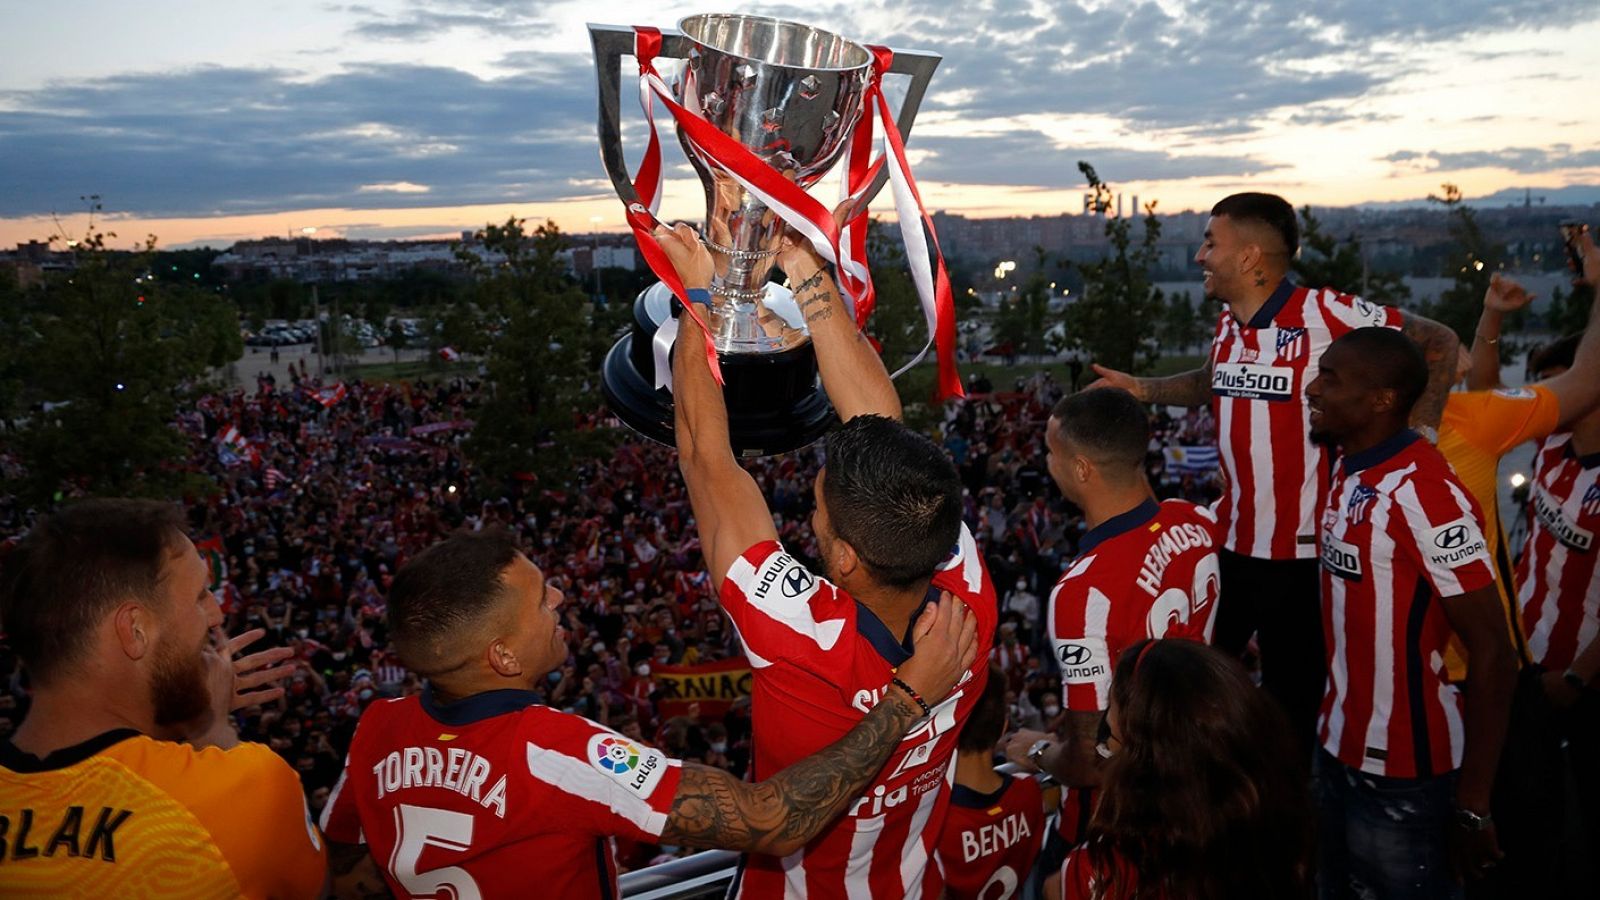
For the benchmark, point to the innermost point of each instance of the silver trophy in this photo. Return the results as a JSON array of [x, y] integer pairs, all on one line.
[[791, 94]]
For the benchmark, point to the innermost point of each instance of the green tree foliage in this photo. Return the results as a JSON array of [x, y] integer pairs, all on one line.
[[1024, 314], [1326, 261], [897, 323], [1568, 312], [1116, 317], [1471, 264], [102, 357], [396, 338], [542, 352], [1184, 324]]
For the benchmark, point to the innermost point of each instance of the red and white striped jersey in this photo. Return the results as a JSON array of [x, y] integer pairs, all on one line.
[[1259, 371], [820, 661], [1150, 572], [1398, 532], [493, 794], [1560, 568], [990, 841]]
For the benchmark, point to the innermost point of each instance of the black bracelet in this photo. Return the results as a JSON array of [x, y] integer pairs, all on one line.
[[916, 697]]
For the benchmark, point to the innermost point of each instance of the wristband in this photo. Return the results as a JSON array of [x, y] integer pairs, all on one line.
[[699, 295], [1491, 341], [915, 697]]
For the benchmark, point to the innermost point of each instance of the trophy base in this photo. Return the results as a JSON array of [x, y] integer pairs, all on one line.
[[775, 402]]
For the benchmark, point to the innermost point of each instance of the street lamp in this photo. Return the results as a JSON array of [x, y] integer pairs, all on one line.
[[594, 259]]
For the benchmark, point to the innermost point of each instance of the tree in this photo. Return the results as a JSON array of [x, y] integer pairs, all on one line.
[[396, 337], [1326, 261], [1470, 266], [1116, 317], [106, 354], [541, 353], [897, 322], [1183, 324]]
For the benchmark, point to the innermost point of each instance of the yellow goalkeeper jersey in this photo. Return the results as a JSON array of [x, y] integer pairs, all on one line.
[[125, 815]]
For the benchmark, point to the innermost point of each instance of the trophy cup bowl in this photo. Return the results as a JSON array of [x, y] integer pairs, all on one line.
[[791, 94]]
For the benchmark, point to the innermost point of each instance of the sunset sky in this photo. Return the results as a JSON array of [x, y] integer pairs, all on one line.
[[205, 122]]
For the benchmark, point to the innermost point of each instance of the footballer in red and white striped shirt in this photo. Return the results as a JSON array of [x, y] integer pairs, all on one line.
[[821, 661], [475, 789], [1404, 562], [1144, 570], [1259, 371], [1560, 568]]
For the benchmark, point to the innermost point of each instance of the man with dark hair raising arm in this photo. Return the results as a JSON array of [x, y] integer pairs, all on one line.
[[824, 649], [1268, 340], [479, 789]]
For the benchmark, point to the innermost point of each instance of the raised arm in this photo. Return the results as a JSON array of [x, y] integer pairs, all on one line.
[[1503, 296], [728, 507], [782, 814], [853, 373], [1192, 388], [1439, 345], [1577, 390]]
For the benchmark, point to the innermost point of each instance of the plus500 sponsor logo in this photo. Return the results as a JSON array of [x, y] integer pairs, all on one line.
[[1253, 382]]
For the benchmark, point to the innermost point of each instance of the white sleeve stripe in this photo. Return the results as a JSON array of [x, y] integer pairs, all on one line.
[[583, 781]]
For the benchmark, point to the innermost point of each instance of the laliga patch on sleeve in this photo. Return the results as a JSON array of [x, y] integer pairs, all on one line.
[[637, 768], [1455, 543], [1084, 660], [1518, 393]]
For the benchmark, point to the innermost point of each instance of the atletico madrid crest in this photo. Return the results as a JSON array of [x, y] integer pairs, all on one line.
[[1361, 500], [1291, 343], [1591, 500]]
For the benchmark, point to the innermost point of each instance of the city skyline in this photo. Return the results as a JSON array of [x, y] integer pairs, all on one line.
[[202, 124]]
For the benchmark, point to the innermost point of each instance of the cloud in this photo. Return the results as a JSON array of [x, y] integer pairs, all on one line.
[[1185, 74], [1029, 158], [393, 187], [1523, 160], [228, 141]]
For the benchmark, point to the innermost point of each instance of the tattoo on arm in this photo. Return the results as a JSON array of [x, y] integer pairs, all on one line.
[[809, 283], [1438, 345], [1184, 389], [783, 813]]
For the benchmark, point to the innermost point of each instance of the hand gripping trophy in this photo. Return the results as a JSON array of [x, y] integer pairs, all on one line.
[[764, 110]]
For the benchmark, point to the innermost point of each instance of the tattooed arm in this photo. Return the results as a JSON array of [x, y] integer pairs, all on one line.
[[782, 814], [1439, 345], [853, 373], [352, 875], [1192, 388]]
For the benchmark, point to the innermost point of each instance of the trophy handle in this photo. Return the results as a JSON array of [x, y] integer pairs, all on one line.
[[611, 43], [919, 64]]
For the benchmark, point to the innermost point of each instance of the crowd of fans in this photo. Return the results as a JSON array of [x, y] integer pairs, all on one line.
[[305, 537], [324, 501]]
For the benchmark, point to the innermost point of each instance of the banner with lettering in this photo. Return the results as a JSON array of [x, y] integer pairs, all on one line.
[[712, 685]]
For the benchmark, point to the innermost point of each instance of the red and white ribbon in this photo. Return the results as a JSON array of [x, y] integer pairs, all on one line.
[[844, 247]]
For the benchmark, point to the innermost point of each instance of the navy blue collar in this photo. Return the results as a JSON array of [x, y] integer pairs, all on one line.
[[961, 795], [1381, 451], [895, 651], [1274, 305], [1587, 461], [478, 707], [1118, 524]]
